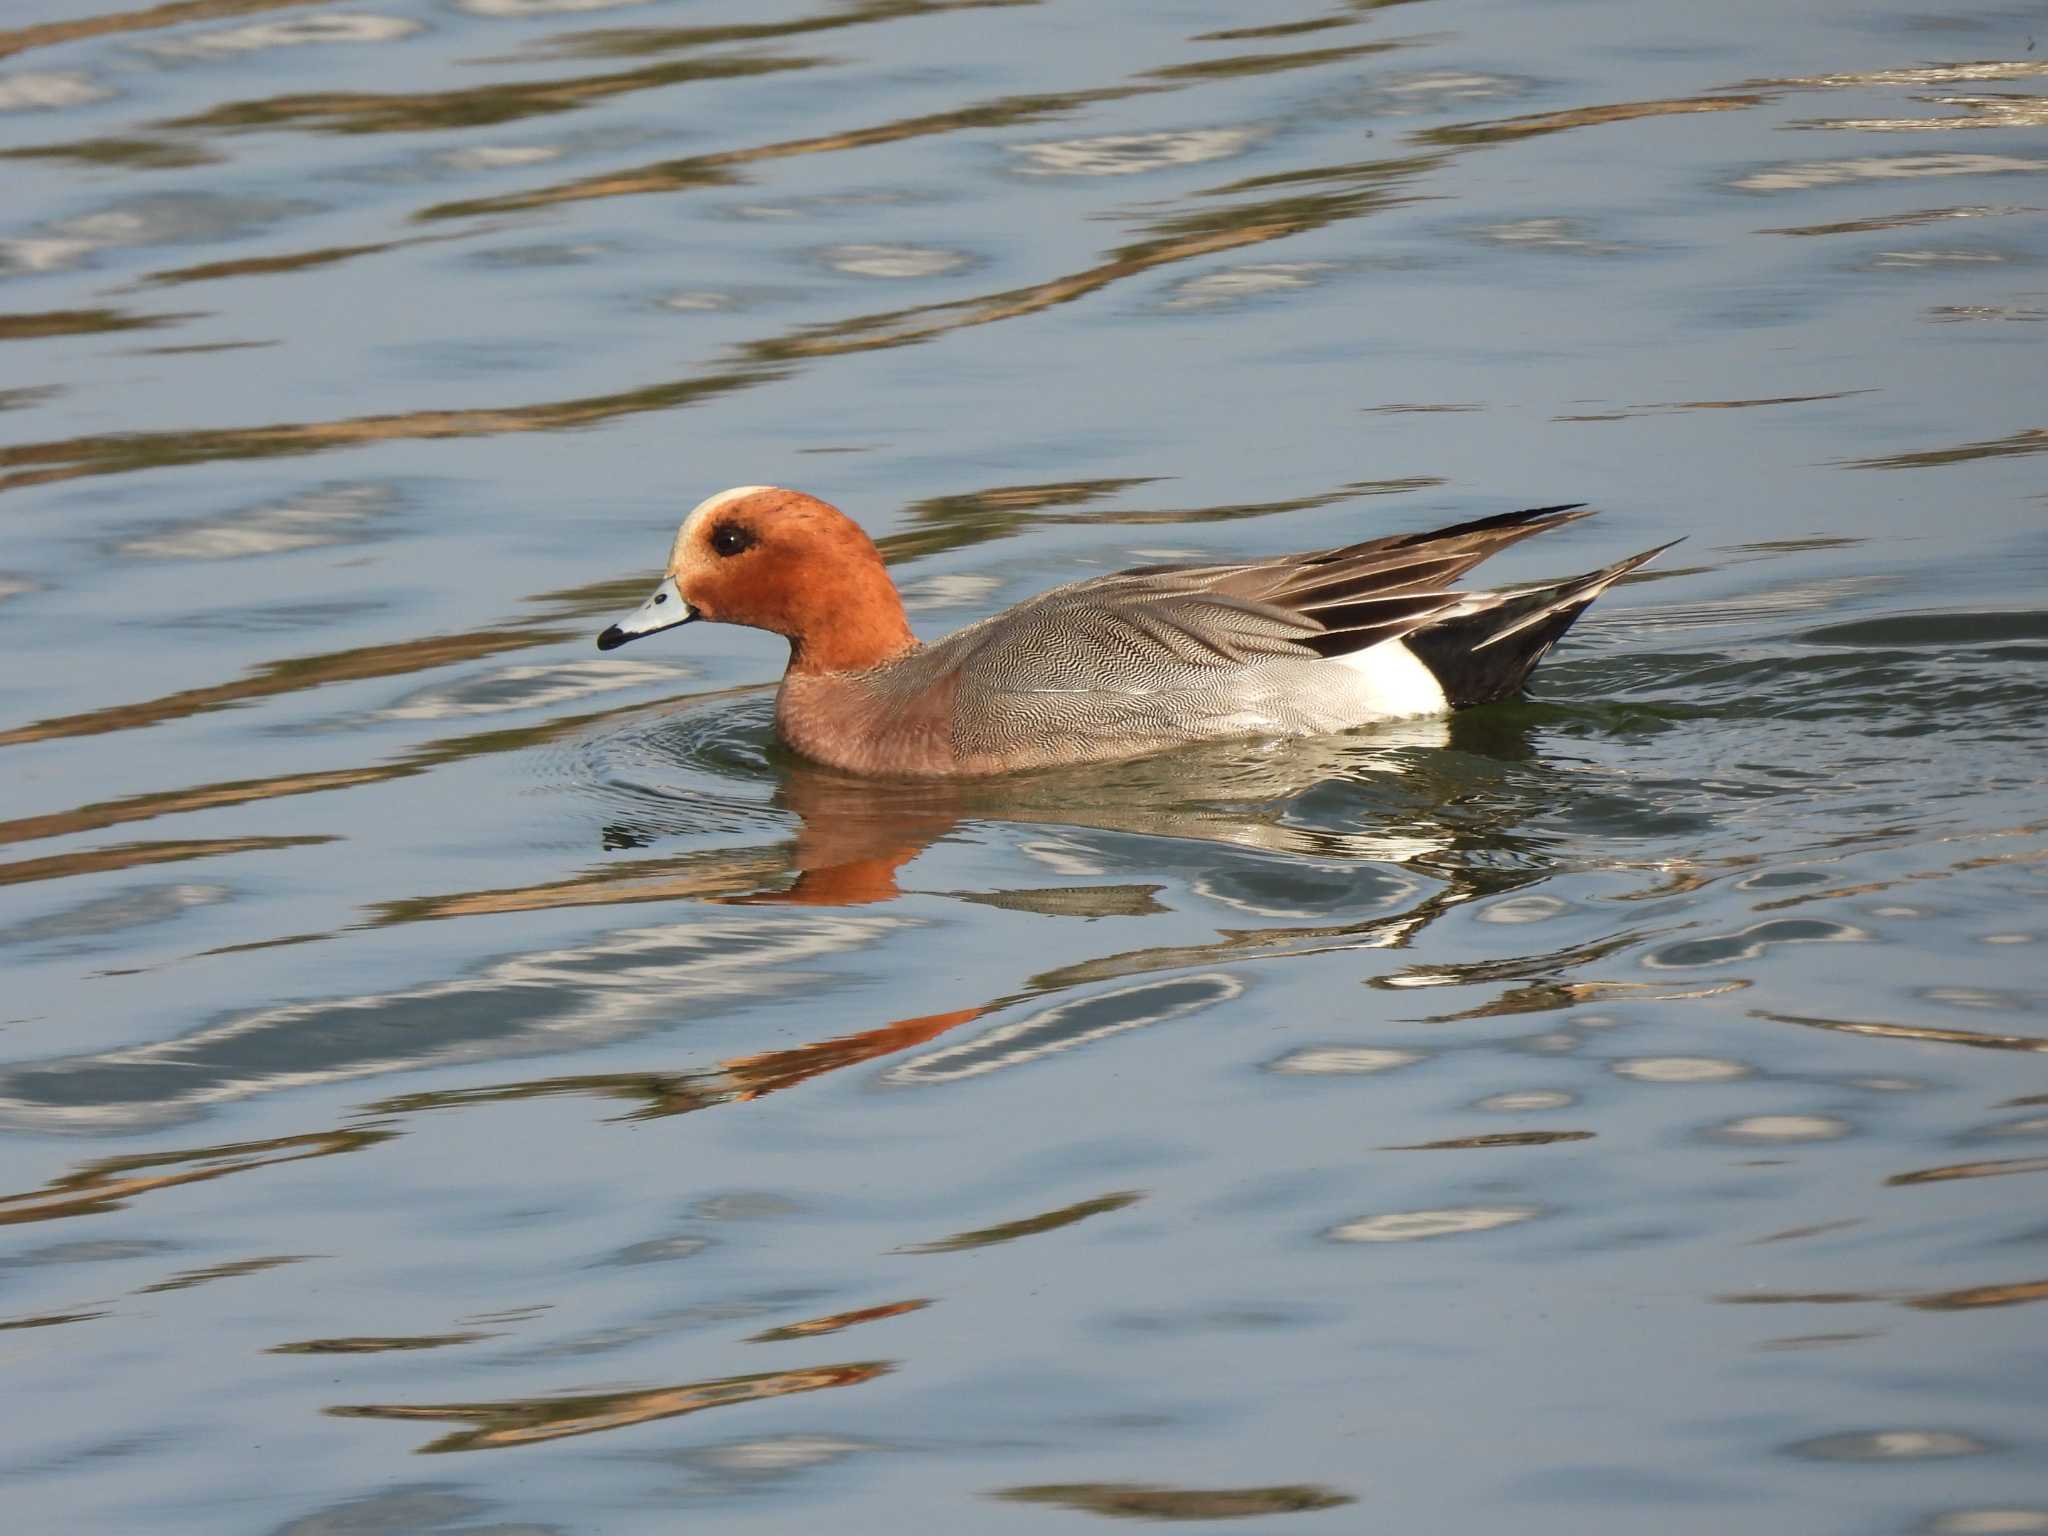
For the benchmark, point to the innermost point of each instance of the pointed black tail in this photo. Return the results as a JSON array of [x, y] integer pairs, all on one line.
[[1487, 655]]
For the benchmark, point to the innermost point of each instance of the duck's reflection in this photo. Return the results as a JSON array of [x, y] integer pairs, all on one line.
[[1390, 796]]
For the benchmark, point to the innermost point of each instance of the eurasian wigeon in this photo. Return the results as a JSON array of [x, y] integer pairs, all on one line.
[[1117, 665]]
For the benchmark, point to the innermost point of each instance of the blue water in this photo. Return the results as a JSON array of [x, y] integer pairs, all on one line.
[[421, 1035]]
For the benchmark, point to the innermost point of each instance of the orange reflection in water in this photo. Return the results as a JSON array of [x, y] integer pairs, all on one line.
[[743, 1078]]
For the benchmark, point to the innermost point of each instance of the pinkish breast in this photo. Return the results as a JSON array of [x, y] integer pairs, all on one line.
[[859, 722]]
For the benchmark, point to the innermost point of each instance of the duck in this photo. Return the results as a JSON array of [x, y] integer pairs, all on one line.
[[1112, 666]]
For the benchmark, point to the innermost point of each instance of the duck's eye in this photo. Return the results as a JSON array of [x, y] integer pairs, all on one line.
[[731, 539]]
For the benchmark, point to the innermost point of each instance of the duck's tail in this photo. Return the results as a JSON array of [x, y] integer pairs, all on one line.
[[1486, 652]]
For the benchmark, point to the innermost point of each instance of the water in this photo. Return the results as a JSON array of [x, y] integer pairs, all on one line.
[[424, 1036]]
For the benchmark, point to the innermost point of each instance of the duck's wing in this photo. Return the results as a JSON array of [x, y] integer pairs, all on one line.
[[1161, 627], [1384, 588]]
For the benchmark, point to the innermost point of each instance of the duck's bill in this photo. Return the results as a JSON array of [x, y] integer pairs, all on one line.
[[665, 610]]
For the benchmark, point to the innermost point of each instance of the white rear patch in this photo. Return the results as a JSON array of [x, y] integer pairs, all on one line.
[[1396, 683]]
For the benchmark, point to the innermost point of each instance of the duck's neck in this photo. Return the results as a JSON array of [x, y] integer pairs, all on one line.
[[861, 625]]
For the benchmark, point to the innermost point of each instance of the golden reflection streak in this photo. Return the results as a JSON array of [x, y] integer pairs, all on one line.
[[374, 1344], [1671, 407], [1029, 1226], [110, 1183], [51, 1319], [477, 107], [132, 154], [1149, 1501], [1243, 64], [1898, 220], [633, 42], [660, 1094], [1509, 130], [1982, 1296], [690, 877], [1927, 1032], [2033, 440], [740, 1080], [173, 14], [2002, 111], [1139, 900], [1815, 1229], [184, 1280], [293, 675], [1983, 1170], [1277, 29], [1926, 74], [531, 1420], [117, 453], [1814, 1340], [211, 346], [1494, 1139], [292, 261], [94, 861], [811, 1328], [203, 797], [81, 322], [97, 815]]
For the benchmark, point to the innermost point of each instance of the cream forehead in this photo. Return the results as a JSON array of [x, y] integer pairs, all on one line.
[[708, 507]]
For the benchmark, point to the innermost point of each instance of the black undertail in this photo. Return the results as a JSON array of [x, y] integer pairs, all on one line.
[[1486, 656]]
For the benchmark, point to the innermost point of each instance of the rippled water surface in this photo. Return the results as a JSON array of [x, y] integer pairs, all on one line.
[[422, 1036]]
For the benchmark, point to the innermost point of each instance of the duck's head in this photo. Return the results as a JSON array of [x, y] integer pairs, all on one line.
[[781, 561]]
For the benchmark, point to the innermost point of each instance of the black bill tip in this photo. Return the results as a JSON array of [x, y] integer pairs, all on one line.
[[612, 639]]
